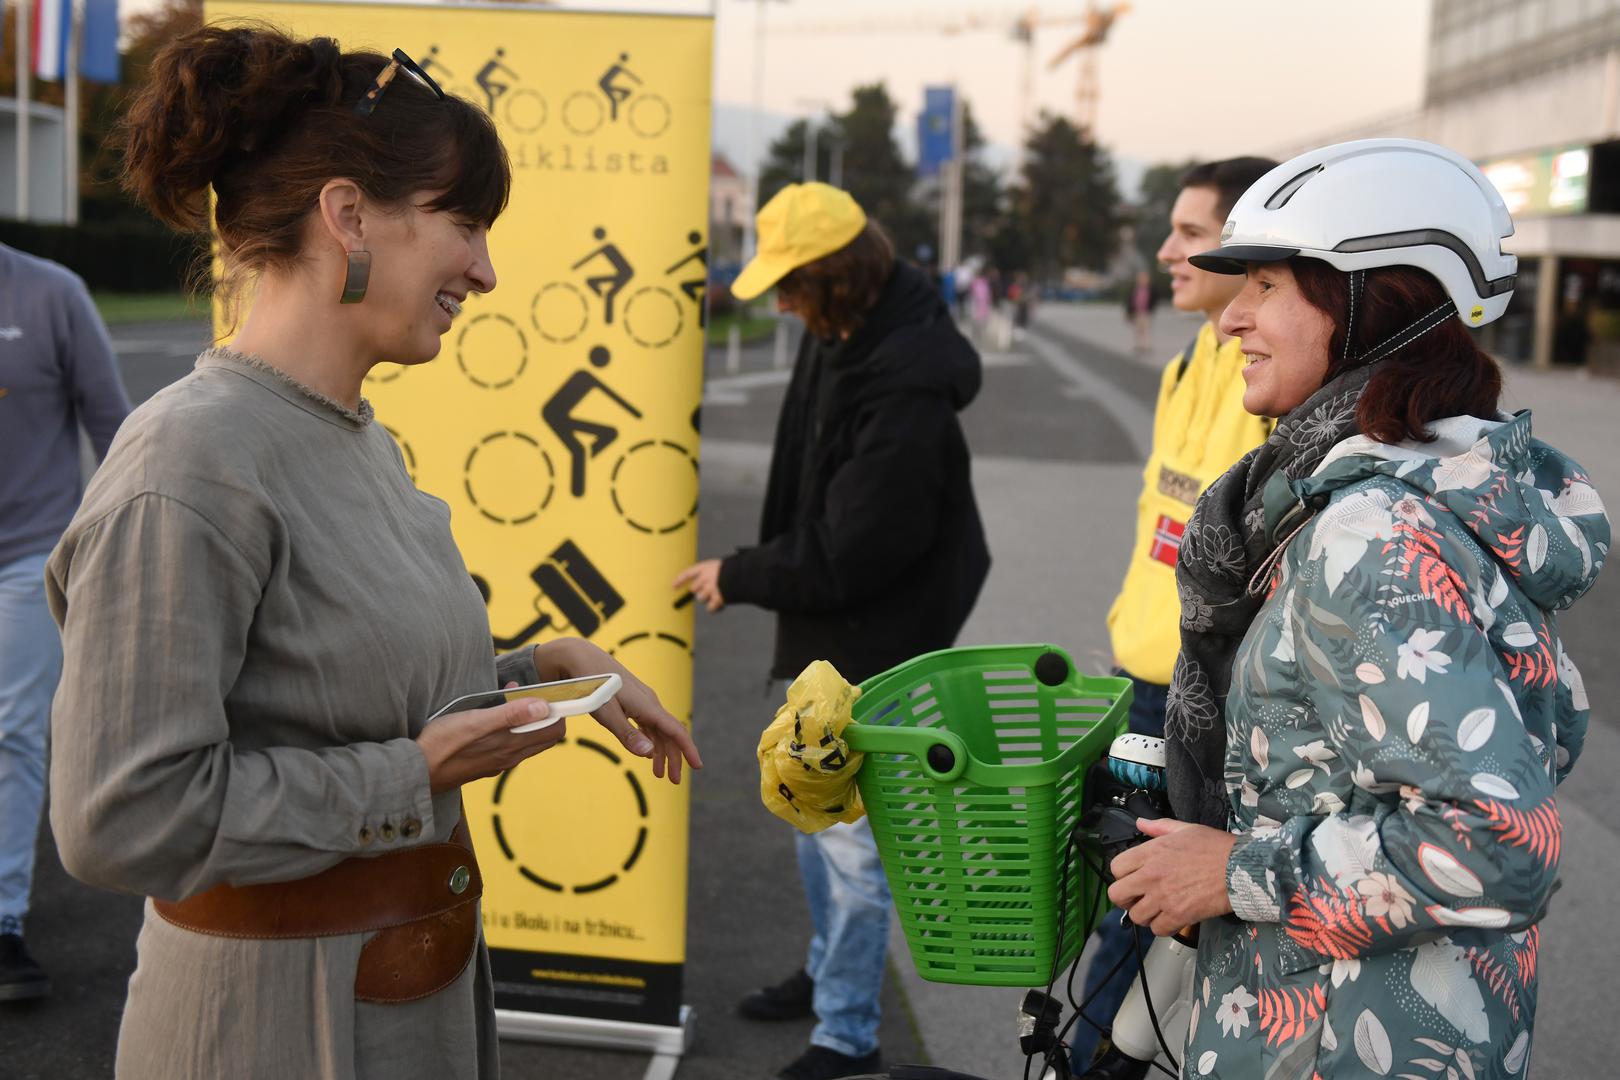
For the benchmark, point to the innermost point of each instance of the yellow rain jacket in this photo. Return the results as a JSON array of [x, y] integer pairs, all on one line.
[[1199, 431]]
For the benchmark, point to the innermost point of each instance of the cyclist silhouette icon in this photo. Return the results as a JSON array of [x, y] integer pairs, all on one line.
[[572, 430], [607, 286], [694, 287], [487, 82], [617, 94], [434, 66]]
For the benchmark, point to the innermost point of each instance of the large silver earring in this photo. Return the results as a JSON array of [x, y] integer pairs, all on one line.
[[357, 278]]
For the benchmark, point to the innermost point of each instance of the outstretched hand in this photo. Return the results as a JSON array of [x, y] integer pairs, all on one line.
[[702, 580], [635, 715]]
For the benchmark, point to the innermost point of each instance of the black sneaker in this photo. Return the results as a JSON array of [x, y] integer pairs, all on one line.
[[21, 979], [820, 1063], [789, 999]]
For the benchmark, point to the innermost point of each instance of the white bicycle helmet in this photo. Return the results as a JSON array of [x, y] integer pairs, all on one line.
[[1380, 202]]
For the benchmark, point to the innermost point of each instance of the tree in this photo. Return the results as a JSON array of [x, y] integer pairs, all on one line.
[[1151, 214], [874, 171], [1066, 205]]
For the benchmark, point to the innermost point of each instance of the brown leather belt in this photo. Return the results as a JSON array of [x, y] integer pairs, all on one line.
[[422, 902]]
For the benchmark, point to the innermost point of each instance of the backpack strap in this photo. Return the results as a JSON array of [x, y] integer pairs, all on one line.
[[1187, 355]]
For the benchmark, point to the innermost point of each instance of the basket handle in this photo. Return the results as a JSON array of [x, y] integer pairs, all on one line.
[[942, 754]]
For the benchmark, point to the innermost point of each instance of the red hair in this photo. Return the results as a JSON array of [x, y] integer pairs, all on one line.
[[1441, 374]]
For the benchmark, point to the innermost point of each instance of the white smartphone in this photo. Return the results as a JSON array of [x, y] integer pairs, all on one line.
[[567, 697]]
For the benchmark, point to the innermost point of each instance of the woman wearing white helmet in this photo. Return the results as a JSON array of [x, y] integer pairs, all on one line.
[[1372, 706]]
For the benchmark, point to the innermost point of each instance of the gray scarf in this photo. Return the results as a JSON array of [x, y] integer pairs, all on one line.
[[1227, 553]]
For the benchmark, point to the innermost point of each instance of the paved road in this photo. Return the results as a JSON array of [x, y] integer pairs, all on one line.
[[1056, 433]]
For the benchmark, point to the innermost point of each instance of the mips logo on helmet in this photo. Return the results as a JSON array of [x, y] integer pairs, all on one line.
[[617, 102]]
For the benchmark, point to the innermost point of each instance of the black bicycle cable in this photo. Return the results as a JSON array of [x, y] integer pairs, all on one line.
[[1153, 1015], [1057, 949]]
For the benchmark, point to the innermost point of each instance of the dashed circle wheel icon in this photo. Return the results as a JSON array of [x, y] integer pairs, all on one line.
[[525, 111], [582, 113], [492, 351], [560, 312], [509, 478], [649, 116], [616, 816], [655, 486], [654, 655], [385, 372], [405, 452], [653, 317]]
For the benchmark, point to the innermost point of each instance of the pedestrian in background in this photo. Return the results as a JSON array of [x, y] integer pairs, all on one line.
[[57, 374], [1200, 429], [260, 611], [1140, 300], [870, 551]]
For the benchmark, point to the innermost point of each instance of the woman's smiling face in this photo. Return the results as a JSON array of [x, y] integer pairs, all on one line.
[[1285, 340]]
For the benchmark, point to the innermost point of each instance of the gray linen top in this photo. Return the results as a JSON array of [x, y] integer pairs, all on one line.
[[258, 611]]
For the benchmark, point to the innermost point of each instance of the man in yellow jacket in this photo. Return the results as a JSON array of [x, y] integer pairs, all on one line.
[[1199, 431]]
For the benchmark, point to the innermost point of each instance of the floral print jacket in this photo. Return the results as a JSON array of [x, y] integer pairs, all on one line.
[[1401, 711]]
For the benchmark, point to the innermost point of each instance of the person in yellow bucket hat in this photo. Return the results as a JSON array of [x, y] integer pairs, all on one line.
[[870, 549]]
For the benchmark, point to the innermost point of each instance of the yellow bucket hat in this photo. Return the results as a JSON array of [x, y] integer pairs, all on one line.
[[800, 224]]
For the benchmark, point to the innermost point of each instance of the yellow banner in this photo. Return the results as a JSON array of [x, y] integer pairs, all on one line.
[[560, 424]]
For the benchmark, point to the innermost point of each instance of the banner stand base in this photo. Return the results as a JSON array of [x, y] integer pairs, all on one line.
[[665, 1044]]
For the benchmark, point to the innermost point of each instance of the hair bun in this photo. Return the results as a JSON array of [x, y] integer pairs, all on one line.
[[215, 93]]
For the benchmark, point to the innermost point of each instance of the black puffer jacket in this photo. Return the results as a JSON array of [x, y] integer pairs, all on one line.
[[870, 550]]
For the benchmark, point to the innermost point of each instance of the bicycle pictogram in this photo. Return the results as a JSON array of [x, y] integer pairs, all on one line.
[[653, 315], [497, 88], [614, 99]]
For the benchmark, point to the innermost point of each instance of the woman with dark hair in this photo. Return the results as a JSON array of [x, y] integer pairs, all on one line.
[[260, 611], [1372, 707], [870, 548]]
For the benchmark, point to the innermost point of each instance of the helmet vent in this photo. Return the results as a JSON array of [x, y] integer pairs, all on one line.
[[1280, 197]]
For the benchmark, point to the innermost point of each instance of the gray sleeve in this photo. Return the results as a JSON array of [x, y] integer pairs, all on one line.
[[149, 795], [91, 370], [517, 667]]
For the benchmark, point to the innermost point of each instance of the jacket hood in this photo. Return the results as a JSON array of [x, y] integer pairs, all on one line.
[[1532, 507], [909, 342]]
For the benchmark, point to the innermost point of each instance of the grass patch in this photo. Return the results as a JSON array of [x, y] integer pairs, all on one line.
[[751, 329], [117, 308]]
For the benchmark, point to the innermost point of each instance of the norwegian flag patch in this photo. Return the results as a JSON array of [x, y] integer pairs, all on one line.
[[1167, 539]]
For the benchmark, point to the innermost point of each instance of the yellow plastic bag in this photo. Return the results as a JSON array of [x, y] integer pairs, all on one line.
[[806, 769]]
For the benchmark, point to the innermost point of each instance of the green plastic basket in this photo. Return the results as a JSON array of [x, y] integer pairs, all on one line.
[[975, 759]]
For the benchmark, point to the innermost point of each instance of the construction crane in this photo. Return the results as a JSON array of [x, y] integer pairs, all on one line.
[[1021, 27], [1098, 22]]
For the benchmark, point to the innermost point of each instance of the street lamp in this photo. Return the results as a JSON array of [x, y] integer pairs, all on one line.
[[810, 163], [748, 239]]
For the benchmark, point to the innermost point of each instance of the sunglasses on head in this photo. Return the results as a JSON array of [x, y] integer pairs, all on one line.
[[400, 62]]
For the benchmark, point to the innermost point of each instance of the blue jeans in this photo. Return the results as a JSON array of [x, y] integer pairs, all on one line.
[[849, 906], [30, 663], [1114, 940]]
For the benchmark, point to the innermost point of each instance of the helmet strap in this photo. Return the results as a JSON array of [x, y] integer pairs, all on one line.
[[1358, 279], [1401, 338]]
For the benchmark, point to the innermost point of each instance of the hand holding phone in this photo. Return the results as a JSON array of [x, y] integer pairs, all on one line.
[[563, 697]]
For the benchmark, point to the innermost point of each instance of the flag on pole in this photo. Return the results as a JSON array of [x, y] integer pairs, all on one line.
[[934, 135], [51, 38], [98, 58]]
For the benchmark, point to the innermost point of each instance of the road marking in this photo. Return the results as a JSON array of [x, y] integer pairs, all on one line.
[[1135, 418]]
